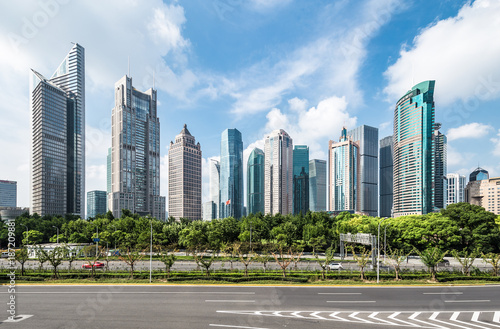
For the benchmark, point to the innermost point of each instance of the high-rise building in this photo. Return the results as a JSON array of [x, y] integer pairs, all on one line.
[[255, 181], [135, 152], [108, 179], [8, 193], [479, 174], [214, 169], [231, 174], [317, 185], [386, 177], [414, 151], [184, 177], [209, 211], [58, 138], [300, 179], [96, 203], [456, 188], [440, 180], [343, 179], [278, 173], [367, 139], [484, 193]]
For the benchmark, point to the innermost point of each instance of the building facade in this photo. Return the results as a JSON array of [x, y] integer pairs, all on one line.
[[231, 174], [479, 174], [484, 193], [343, 179], [300, 179], [386, 177], [209, 209], [440, 168], [367, 139], [214, 169], [317, 185], [455, 188], [135, 152], [278, 173], [8, 193], [255, 181], [414, 151], [96, 203], [58, 138], [184, 177]]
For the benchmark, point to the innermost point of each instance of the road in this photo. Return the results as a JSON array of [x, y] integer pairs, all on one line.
[[253, 307]]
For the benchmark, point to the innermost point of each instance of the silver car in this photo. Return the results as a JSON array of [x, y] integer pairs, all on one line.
[[335, 266]]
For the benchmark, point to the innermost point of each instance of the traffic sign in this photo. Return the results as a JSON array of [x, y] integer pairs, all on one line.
[[97, 239]]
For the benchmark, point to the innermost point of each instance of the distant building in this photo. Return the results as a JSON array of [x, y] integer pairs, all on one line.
[[8, 193], [317, 185], [209, 209], [386, 177], [343, 181], [231, 174], [479, 174], [278, 173], [184, 177], [367, 139], [7, 213], [440, 180], [300, 179], [96, 203], [214, 169], [455, 188], [484, 193], [255, 181]]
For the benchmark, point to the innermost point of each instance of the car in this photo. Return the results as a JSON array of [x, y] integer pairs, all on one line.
[[96, 265], [335, 266]]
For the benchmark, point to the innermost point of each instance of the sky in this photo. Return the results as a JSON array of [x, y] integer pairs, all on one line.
[[308, 67]]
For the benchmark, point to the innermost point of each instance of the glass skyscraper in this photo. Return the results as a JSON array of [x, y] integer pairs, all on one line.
[[255, 181], [231, 174], [479, 174], [456, 188], [96, 203], [386, 177], [8, 193], [440, 180], [317, 185], [414, 151], [214, 168], [58, 138], [300, 179], [367, 139]]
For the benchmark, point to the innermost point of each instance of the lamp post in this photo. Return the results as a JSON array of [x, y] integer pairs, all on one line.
[[114, 238], [385, 239], [57, 228], [27, 236], [250, 236], [97, 241], [151, 253], [378, 250]]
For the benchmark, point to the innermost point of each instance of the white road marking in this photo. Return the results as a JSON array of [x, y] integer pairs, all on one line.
[[496, 317], [393, 317], [18, 318], [353, 315], [414, 318], [228, 326], [297, 314], [455, 316], [468, 301], [334, 315], [443, 293], [434, 316], [351, 301], [374, 316], [339, 293], [315, 314], [228, 301], [136, 292]]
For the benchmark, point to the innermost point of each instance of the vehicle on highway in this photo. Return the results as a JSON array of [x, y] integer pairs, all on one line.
[[96, 265], [335, 266]]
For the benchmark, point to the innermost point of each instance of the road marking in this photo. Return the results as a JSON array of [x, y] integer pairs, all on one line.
[[414, 318], [228, 301], [468, 301], [455, 316], [393, 317], [443, 293], [339, 293], [334, 315], [228, 326], [297, 314], [374, 316], [351, 301], [135, 292], [434, 316], [18, 318], [315, 314], [496, 317], [353, 315]]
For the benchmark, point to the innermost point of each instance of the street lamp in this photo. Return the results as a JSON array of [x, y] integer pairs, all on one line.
[[378, 250], [97, 241], [385, 239], [27, 236], [250, 236], [151, 253], [114, 238], [57, 228]]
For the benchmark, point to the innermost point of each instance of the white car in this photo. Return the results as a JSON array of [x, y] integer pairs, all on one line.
[[335, 266]]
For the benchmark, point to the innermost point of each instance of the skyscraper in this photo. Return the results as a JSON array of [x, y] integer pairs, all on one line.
[[214, 168], [386, 177], [456, 188], [479, 174], [108, 180], [278, 173], [440, 180], [135, 152], [184, 177], [231, 174], [58, 137], [96, 203], [300, 179], [317, 185], [367, 139], [8, 193], [414, 151], [343, 181], [255, 181], [484, 193]]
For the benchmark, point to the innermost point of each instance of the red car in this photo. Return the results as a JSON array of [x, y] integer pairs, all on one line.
[[96, 265]]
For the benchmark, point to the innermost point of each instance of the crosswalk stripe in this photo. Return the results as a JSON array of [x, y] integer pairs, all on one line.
[[353, 315], [434, 316], [374, 316], [315, 314], [393, 317], [334, 315], [414, 318], [454, 318], [496, 318]]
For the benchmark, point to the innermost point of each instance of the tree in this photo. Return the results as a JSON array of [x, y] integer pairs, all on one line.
[[130, 258], [396, 257], [33, 237], [70, 257], [168, 259], [22, 257], [431, 257], [298, 251], [362, 259], [468, 259], [230, 252], [246, 256], [54, 257], [280, 259], [202, 262], [324, 262], [494, 260], [42, 258], [91, 257], [264, 257]]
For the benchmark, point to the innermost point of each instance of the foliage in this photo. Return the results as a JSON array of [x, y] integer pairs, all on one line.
[[395, 258], [21, 257], [54, 257], [431, 257], [324, 262], [167, 257], [362, 259], [494, 260], [130, 258], [467, 260]]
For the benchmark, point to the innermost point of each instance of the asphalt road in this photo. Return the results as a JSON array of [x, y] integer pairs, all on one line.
[[253, 307]]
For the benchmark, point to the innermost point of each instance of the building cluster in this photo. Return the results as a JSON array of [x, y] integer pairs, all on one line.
[[402, 174]]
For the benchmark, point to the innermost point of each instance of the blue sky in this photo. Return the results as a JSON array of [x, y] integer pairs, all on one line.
[[308, 67]]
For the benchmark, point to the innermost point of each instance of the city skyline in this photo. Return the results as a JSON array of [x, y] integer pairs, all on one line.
[[213, 85]]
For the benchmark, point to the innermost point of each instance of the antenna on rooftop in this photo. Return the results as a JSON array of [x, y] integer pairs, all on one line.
[[129, 66], [153, 79]]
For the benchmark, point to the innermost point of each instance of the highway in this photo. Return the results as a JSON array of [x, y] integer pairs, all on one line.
[[252, 307]]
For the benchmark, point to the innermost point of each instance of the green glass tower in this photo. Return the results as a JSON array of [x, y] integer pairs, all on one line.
[[255, 181], [300, 179]]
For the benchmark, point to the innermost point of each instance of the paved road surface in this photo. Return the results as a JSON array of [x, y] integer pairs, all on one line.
[[249, 307]]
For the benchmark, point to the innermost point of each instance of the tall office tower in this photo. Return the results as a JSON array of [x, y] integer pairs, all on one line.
[[184, 177], [58, 138], [367, 139], [231, 174], [278, 173], [108, 179], [255, 181], [456, 188], [317, 185], [479, 174], [135, 152], [209, 211], [96, 203], [386, 177], [440, 180], [8, 193], [484, 193], [343, 179], [300, 179], [414, 151], [214, 169]]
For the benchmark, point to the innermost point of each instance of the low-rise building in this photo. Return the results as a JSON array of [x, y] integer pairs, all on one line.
[[484, 193]]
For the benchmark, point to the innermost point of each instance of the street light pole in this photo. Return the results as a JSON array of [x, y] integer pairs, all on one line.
[[114, 237], [151, 253], [385, 240], [27, 236], [57, 228], [378, 250], [250, 236], [97, 241]]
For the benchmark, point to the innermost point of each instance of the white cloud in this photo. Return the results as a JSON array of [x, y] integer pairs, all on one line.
[[496, 144], [470, 130], [297, 104], [461, 53], [266, 5], [454, 157]]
